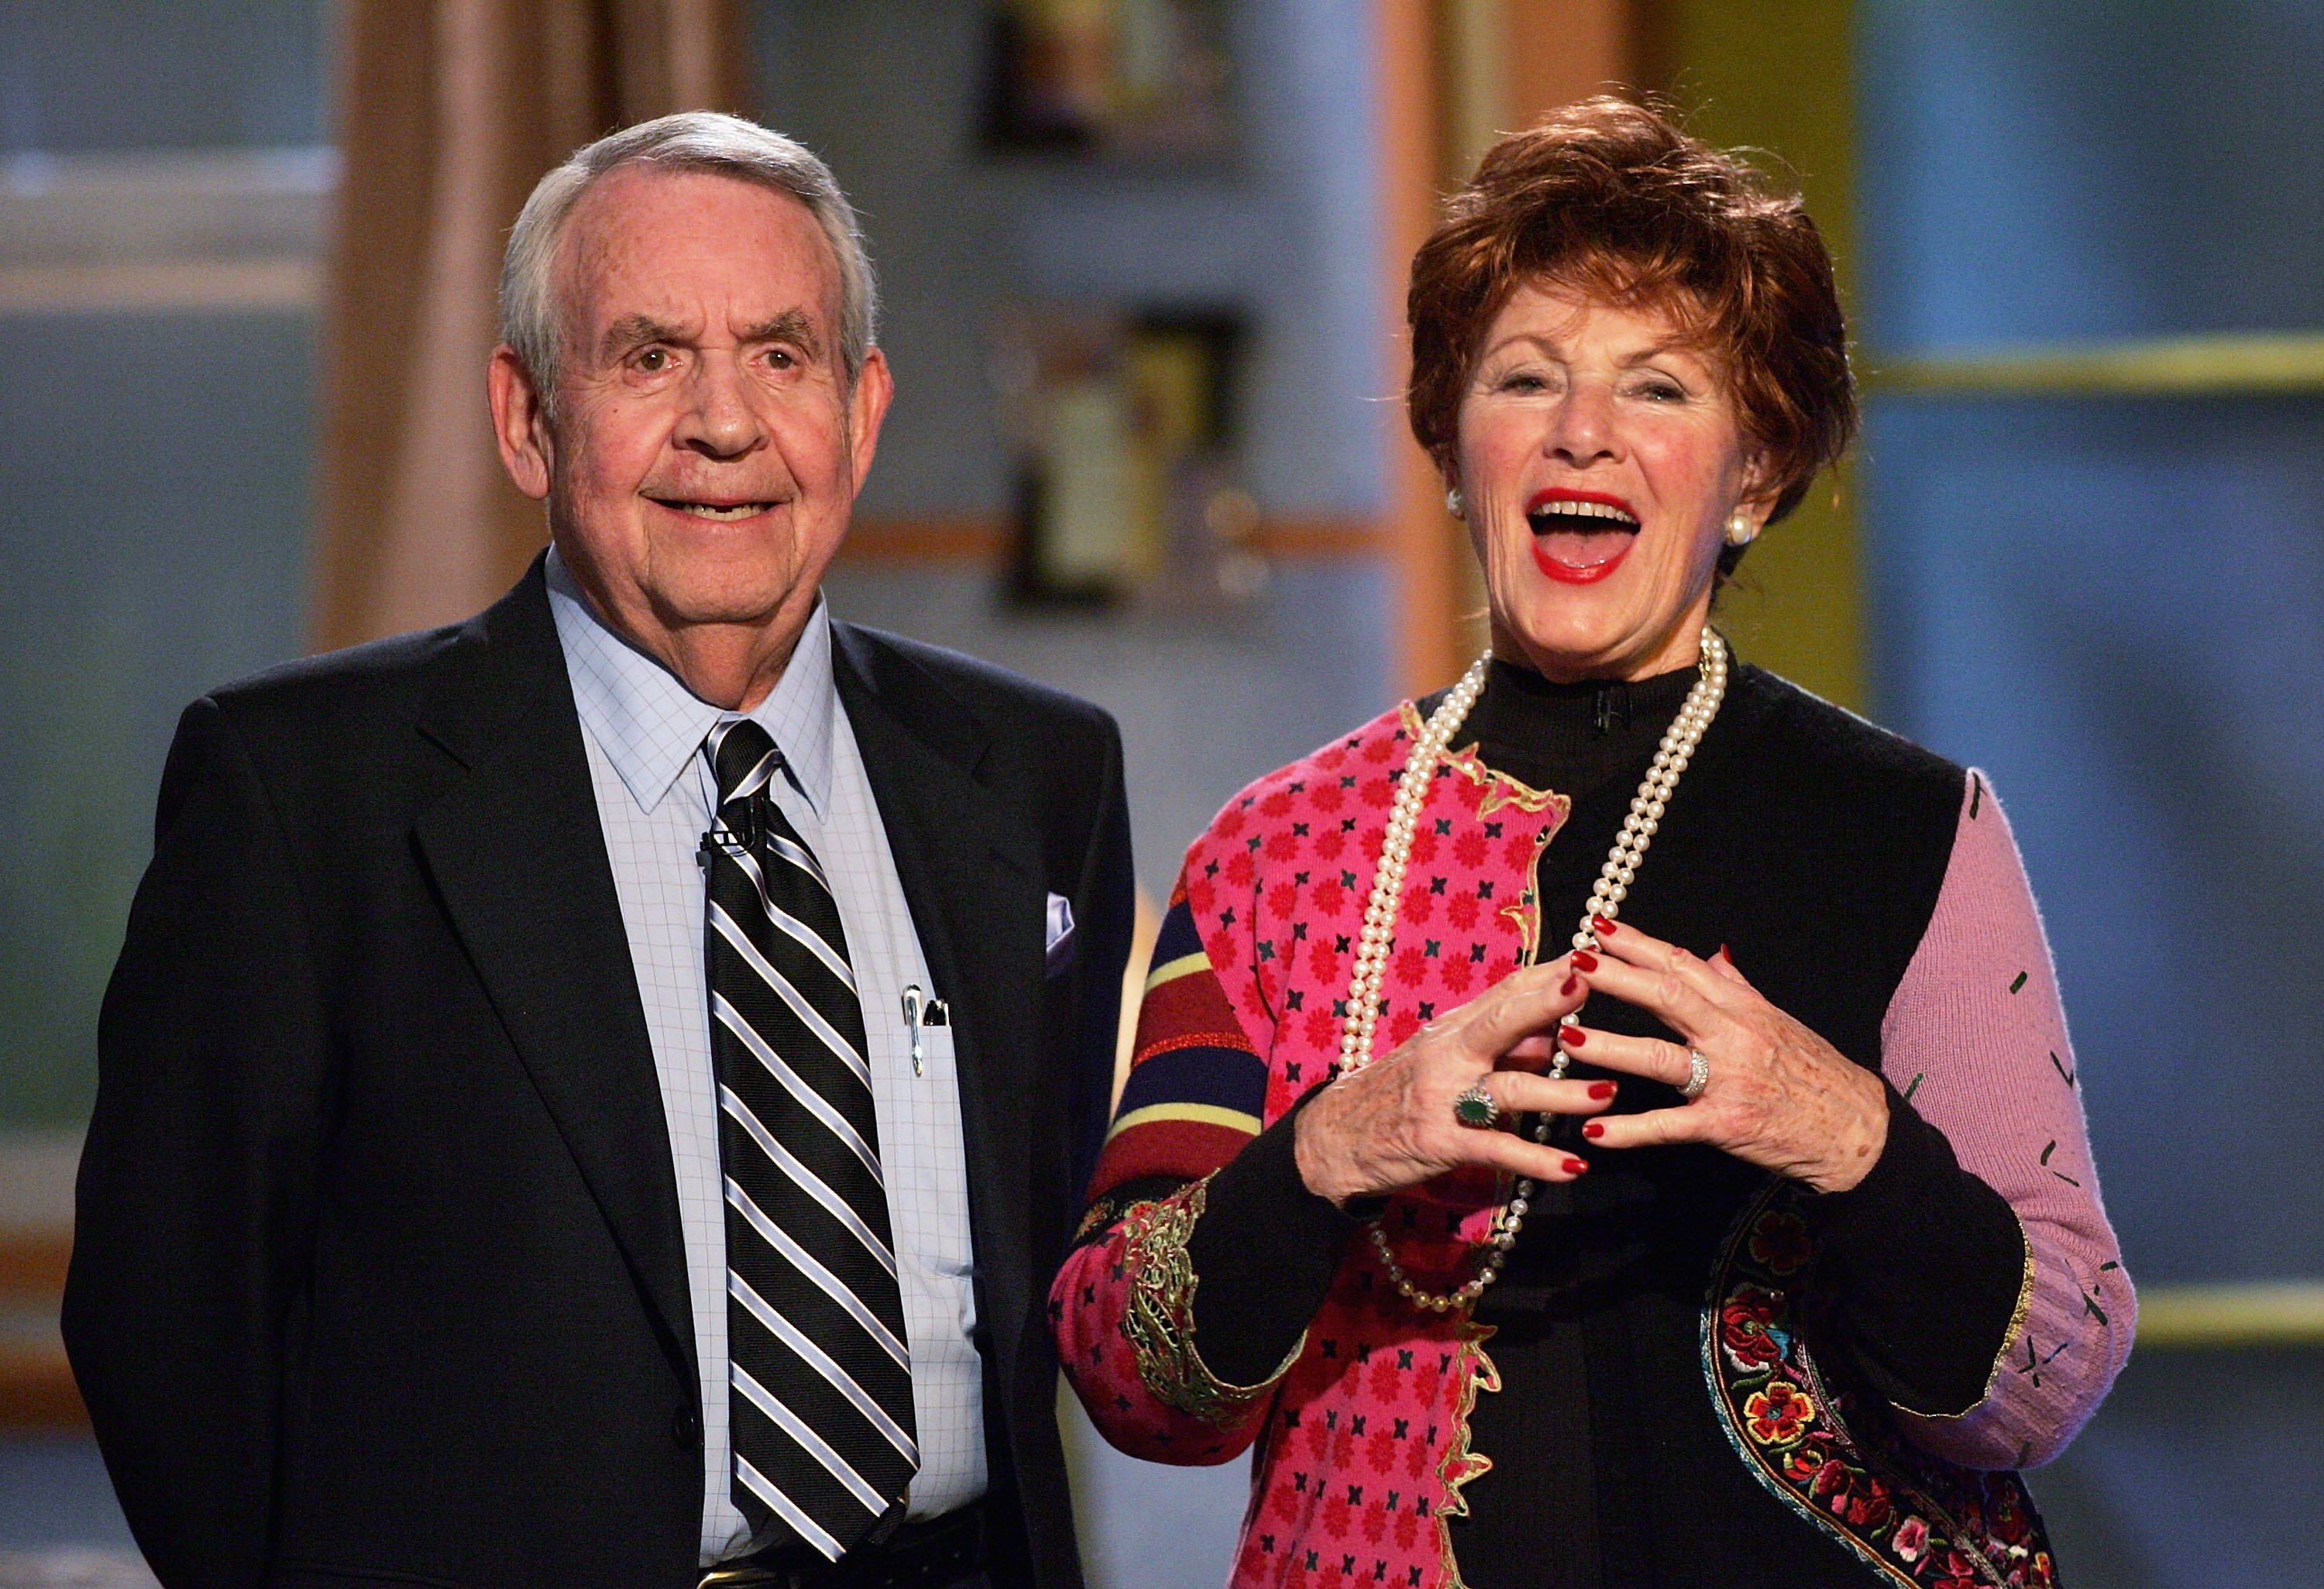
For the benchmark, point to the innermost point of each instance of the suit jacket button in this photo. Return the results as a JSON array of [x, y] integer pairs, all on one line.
[[686, 1428]]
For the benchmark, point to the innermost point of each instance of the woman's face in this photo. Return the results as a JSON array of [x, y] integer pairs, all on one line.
[[1602, 459]]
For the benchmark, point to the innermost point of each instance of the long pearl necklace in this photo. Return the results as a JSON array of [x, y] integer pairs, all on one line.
[[1671, 757]]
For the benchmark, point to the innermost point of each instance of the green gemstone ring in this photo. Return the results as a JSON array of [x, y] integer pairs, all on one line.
[[1476, 1108]]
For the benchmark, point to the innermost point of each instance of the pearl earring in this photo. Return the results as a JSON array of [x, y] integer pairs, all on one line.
[[1456, 503], [1741, 529]]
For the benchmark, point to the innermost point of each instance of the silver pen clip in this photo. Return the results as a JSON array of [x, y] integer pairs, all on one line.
[[921, 1012]]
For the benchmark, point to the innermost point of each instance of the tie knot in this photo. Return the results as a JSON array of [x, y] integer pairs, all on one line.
[[744, 757]]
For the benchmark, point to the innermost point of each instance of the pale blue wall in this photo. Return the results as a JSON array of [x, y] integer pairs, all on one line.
[[1285, 228], [138, 74], [2119, 609], [155, 469]]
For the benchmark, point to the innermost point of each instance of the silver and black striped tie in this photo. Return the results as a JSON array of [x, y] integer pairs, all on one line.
[[820, 1382]]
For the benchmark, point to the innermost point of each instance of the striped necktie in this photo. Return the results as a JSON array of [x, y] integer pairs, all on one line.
[[820, 1383]]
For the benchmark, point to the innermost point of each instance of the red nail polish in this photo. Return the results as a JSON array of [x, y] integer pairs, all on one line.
[[1600, 1091], [1576, 1167], [1573, 1037], [1594, 1130], [1603, 928], [1727, 954], [1583, 960], [1571, 984]]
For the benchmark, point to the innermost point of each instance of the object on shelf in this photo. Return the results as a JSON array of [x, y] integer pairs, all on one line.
[[1123, 427], [1109, 79]]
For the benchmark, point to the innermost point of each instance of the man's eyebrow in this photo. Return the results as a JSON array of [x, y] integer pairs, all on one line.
[[794, 325], [636, 331]]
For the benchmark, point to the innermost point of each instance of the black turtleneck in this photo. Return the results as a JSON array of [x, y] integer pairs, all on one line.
[[1590, 741], [1570, 737]]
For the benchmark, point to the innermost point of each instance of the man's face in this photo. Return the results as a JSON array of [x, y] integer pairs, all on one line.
[[704, 449]]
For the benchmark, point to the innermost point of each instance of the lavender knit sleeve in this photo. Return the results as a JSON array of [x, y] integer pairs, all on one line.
[[1976, 1038]]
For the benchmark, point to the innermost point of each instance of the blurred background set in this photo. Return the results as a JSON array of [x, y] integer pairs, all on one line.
[[1143, 265]]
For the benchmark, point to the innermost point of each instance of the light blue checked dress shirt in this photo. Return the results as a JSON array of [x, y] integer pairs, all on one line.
[[655, 793]]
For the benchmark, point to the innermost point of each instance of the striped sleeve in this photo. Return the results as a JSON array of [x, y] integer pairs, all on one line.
[[1196, 1087], [1122, 1307]]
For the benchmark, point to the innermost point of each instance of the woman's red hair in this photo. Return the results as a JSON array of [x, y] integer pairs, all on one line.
[[1612, 200]]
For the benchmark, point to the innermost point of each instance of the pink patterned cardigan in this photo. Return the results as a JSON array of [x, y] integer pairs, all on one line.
[[1363, 1436]]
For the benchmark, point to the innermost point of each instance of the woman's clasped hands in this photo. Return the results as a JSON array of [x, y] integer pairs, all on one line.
[[1776, 1093]]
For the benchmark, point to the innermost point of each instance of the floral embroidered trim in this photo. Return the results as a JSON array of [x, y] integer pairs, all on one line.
[[1914, 1518], [1500, 788], [1462, 1462], [2008, 1340], [1159, 1321]]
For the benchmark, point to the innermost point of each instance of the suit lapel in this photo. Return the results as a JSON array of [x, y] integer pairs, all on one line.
[[518, 855], [971, 870]]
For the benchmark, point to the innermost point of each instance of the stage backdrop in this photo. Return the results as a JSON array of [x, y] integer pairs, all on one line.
[[2115, 606]]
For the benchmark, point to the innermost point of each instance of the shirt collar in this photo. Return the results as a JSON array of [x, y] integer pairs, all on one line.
[[651, 726]]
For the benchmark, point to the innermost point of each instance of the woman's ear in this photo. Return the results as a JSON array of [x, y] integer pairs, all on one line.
[[1448, 469], [1761, 493]]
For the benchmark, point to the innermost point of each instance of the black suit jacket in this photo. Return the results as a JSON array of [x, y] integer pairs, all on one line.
[[378, 1276]]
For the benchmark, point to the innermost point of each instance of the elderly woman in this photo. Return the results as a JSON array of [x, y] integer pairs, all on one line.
[[1611, 1123]]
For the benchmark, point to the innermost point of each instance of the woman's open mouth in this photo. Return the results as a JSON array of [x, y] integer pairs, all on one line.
[[1580, 537]]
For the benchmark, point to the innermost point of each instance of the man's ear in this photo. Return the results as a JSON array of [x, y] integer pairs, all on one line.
[[519, 423], [867, 406]]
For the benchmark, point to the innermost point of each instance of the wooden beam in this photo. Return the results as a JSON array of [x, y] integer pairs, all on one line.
[[36, 1382], [2254, 1314], [1453, 75], [2259, 364], [1562, 50], [1423, 540]]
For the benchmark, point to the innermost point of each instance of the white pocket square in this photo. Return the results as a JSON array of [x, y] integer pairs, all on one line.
[[1060, 928]]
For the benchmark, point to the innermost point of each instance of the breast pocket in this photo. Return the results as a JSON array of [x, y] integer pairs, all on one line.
[[927, 1180]]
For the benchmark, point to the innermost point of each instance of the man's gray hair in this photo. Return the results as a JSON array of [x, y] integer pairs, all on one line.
[[690, 141]]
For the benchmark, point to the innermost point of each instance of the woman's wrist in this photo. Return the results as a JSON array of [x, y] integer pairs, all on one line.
[[1266, 1250], [1860, 1140], [1323, 1168]]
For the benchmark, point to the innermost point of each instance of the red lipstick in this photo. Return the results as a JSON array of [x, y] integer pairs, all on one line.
[[1580, 547]]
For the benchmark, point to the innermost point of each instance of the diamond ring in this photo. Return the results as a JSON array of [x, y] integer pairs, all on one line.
[[1698, 1076]]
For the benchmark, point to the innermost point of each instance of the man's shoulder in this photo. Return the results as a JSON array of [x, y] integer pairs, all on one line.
[[472, 675], [389, 676], [912, 677]]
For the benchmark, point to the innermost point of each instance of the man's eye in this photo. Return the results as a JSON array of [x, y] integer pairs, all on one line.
[[782, 358], [654, 360]]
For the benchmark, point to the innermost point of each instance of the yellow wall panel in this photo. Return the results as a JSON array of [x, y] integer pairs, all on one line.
[[1779, 74]]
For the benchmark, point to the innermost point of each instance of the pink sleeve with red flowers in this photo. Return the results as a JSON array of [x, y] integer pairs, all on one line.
[[1975, 1039]]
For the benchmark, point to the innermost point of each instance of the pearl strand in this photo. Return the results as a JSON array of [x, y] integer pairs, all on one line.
[[1361, 1016]]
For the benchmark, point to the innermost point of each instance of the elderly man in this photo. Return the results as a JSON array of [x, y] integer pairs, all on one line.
[[593, 1095]]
